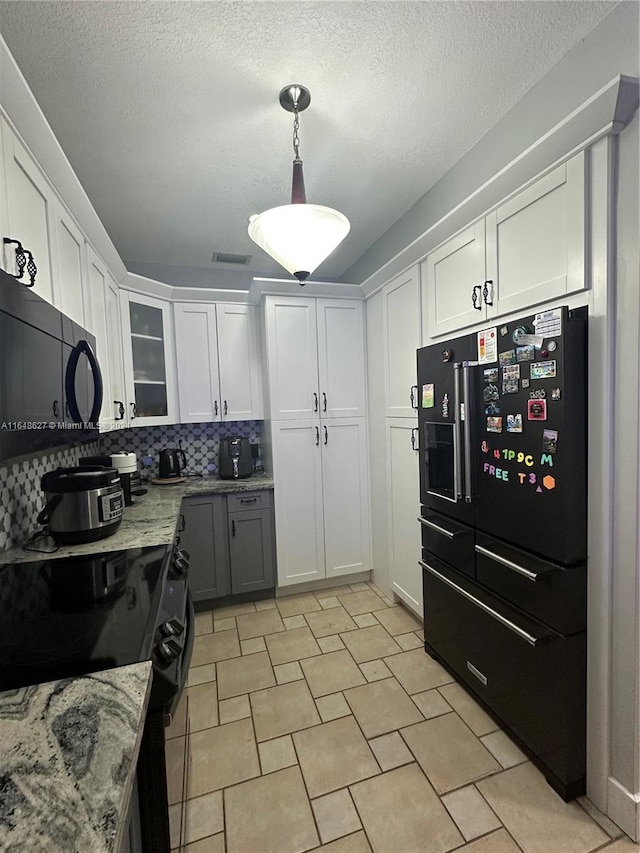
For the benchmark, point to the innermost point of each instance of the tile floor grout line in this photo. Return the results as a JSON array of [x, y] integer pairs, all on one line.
[[506, 829], [306, 789]]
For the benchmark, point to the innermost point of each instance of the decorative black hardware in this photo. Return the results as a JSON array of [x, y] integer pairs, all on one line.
[[215, 408], [326, 435], [55, 409], [134, 410], [317, 436], [120, 406], [22, 262], [226, 409], [248, 500], [475, 298], [324, 402], [485, 292], [233, 528], [315, 402]]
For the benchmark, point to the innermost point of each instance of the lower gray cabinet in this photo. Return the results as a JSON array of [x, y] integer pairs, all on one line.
[[203, 533], [231, 542]]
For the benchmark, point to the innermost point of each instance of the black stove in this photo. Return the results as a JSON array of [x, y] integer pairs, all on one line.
[[71, 616]]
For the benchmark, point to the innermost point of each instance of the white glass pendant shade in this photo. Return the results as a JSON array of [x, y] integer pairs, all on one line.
[[299, 236]]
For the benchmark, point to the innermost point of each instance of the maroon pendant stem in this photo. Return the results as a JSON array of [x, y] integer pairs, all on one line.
[[298, 195]]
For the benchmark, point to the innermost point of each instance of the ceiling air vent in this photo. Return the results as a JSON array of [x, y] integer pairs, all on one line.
[[228, 258]]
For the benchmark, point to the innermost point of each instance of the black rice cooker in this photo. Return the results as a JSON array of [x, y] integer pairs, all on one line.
[[82, 504]]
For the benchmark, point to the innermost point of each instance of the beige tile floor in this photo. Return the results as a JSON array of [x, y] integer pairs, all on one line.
[[318, 722]]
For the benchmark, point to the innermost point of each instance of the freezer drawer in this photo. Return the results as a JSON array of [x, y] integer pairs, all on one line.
[[531, 677], [449, 540], [553, 594]]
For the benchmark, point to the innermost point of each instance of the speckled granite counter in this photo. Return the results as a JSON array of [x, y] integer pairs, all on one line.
[[68, 756], [151, 520]]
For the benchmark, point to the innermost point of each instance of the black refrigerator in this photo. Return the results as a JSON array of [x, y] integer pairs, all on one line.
[[503, 488]]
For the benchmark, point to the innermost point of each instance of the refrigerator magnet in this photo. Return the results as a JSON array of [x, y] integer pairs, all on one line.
[[487, 346], [510, 386], [526, 353], [550, 441], [543, 370], [490, 375], [514, 423], [525, 383], [494, 424], [490, 393], [492, 409], [536, 410], [556, 393], [508, 357], [428, 396], [445, 406]]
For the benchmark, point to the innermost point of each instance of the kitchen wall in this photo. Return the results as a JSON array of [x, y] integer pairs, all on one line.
[[200, 442], [21, 498]]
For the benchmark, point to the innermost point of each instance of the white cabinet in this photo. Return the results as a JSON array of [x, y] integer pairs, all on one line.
[[403, 477], [315, 357], [27, 211], [217, 357], [529, 250], [148, 360], [71, 293], [454, 277], [401, 339], [321, 498]]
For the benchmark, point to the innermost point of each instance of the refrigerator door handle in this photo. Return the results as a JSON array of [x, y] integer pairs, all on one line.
[[457, 436], [525, 635], [531, 576], [466, 367], [448, 533]]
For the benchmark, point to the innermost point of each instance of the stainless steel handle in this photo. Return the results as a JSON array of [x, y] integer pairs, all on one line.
[[524, 635], [457, 436], [414, 400], [324, 402], [437, 528], [467, 432], [326, 435], [415, 433], [531, 576]]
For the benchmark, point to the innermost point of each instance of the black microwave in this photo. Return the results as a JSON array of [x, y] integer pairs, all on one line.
[[50, 379]]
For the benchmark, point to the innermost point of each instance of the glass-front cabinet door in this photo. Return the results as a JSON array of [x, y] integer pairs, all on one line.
[[146, 323]]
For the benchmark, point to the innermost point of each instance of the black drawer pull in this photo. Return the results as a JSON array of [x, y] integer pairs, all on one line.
[[448, 533], [530, 576], [525, 635], [248, 500]]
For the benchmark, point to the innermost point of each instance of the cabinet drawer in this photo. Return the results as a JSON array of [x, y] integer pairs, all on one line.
[[531, 677], [553, 594], [249, 500], [448, 540]]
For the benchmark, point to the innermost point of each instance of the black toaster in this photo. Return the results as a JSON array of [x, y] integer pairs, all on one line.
[[235, 460]]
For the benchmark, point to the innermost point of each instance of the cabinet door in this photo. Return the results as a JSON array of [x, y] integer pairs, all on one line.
[[403, 477], [401, 339], [28, 211], [70, 291], [117, 399], [345, 496], [203, 533], [341, 358], [97, 286], [251, 550], [149, 373], [197, 360], [536, 240], [238, 363], [453, 273], [292, 355], [298, 500]]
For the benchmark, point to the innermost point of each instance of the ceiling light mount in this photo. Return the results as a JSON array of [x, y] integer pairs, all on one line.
[[299, 236]]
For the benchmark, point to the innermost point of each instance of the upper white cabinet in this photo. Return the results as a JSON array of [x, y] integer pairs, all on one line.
[[321, 498], [315, 355], [218, 367], [401, 339], [27, 211], [71, 293], [530, 249], [148, 360]]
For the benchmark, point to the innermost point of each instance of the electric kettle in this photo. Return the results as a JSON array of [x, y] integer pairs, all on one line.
[[171, 463]]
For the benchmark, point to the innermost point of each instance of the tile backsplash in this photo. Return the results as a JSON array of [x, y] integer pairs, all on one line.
[[21, 498]]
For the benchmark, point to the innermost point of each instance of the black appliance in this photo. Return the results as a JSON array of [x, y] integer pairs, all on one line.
[[67, 617], [235, 459], [127, 467], [83, 504], [172, 462], [503, 488], [50, 380]]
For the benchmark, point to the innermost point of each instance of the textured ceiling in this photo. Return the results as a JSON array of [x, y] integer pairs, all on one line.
[[168, 111]]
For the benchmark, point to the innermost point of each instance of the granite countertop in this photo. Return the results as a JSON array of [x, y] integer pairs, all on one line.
[[68, 757], [150, 521]]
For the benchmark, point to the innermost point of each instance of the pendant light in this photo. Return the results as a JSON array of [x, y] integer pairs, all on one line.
[[299, 236]]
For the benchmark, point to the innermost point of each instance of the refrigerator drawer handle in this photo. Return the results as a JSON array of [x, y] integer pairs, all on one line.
[[448, 533], [532, 576], [533, 641]]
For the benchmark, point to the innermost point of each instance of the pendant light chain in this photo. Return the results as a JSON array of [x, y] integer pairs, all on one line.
[[296, 127]]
